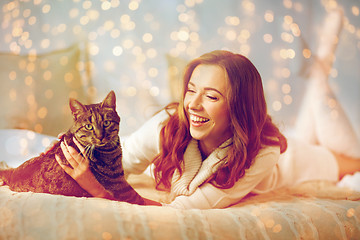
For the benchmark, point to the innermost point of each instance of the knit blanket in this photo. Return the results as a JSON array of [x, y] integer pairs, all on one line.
[[313, 210]]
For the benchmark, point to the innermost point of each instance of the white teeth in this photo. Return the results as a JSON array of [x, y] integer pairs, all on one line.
[[198, 119]]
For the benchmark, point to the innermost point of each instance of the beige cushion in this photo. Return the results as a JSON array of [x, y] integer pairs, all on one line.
[[35, 90]]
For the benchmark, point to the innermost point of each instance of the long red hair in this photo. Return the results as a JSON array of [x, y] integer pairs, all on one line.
[[252, 127]]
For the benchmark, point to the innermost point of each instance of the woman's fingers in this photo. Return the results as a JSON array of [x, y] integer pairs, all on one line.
[[68, 155], [66, 168], [81, 148], [74, 158]]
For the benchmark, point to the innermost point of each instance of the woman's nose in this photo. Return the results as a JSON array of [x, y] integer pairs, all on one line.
[[195, 102]]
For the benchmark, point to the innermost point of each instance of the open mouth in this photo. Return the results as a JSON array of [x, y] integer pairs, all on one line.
[[198, 120]]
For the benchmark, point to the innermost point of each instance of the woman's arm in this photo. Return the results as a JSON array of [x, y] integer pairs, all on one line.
[[142, 146], [81, 173]]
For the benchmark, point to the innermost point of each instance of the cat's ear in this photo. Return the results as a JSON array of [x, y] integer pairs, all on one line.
[[109, 101], [76, 107]]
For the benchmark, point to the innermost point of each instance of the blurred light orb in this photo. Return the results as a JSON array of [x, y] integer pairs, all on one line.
[[268, 38], [86, 4], [12, 75], [128, 43], [306, 53], [74, 12], [153, 72], [230, 35], [117, 51], [105, 5], [154, 91], [133, 5], [183, 35], [194, 37], [42, 112], [287, 3], [287, 99], [93, 14], [232, 20], [151, 53], [32, 20], [248, 6], [131, 91], [115, 33], [276, 106], [181, 8], [295, 29], [46, 8], [93, 49], [190, 3], [287, 37], [285, 73], [286, 88], [108, 25], [28, 80], [269, 16], [355, 10], [147, 37], [84, 20], [183, 17], [49, 94], [47, 75]]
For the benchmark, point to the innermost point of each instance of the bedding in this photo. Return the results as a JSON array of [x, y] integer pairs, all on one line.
[[312, 210]]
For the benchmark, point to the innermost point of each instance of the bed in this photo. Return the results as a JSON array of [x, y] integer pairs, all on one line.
[[312, 210]]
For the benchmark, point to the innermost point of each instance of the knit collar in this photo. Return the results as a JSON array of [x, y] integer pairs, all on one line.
[[195, 170]]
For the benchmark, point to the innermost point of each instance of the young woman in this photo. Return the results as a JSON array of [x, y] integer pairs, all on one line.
[[218, 143]]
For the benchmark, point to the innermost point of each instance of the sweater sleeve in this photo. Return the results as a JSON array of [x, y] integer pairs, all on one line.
[[140, 148], [208, 196]]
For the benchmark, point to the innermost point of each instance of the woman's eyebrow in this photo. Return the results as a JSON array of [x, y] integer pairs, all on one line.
[[207, 88]]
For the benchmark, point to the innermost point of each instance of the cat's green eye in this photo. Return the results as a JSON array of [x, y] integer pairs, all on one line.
[[106, 123], [89, 126]]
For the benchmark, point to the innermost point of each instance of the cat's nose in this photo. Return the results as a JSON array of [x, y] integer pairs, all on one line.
[[99, 133]]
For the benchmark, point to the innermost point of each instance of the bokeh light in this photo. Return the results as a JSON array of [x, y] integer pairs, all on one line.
[[126, 46]]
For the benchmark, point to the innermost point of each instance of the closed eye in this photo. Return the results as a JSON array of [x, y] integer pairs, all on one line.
[[190, 90], [212, 97]]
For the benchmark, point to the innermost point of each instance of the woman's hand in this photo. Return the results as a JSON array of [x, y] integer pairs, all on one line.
[[80, 171]]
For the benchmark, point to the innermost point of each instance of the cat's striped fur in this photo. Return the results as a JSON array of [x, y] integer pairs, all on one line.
[[96, 127]]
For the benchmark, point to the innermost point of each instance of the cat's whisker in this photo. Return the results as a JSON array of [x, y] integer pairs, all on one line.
[[92, 148], [88, 151]]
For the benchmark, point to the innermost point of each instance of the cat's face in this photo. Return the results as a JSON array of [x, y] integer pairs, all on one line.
[[96, 125]]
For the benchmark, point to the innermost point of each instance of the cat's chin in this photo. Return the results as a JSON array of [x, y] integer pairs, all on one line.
[[104, 146]]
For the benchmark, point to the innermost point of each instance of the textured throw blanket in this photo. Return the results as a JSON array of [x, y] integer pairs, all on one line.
[[314, 210]]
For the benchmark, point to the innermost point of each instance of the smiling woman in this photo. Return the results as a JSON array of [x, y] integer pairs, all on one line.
[[206, 107]]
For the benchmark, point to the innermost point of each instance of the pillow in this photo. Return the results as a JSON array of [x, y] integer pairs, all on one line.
[[35, 90]]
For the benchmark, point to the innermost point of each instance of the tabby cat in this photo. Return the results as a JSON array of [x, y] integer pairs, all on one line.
[[96, 128]]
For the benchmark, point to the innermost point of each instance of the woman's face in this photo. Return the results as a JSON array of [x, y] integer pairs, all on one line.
[[206, 106]]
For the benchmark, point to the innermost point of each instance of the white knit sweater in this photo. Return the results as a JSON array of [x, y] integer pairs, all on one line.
[[195, 170]]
